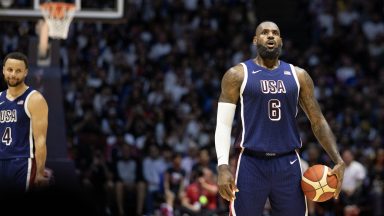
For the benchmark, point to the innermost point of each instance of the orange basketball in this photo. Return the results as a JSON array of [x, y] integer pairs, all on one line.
[[317, 185]]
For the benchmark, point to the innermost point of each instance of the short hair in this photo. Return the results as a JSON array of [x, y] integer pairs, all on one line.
[[18, 56], [266, 21]]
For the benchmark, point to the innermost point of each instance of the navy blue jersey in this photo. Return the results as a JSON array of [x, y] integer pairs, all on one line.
[[16, 127], [269, 100]]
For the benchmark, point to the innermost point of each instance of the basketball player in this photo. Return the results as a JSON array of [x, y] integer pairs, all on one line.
[[23, 129], [268, 165]]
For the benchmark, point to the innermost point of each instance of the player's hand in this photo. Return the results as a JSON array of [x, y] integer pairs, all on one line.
[[226, 183], [338, 170], [43, 180]]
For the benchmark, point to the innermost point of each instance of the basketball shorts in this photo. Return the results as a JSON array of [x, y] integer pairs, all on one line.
[[17, 174], [276, 178]]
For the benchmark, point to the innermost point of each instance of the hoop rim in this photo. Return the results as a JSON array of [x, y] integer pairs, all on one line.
[[51, 8], [66, 5], [58, 16]]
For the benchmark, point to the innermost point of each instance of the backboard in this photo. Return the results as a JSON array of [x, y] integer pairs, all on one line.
[[85, 9]]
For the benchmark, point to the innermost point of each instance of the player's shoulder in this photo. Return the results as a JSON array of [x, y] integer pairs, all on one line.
[[36, 94], [299, 71], [235, 73], [36, 97], [236, 69], [302, 74]]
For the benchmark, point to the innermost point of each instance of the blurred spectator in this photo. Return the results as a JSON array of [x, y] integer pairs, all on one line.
[[174, 180], [200, 197], [351, 189], [188, 161], [376, 184], [373, 27], [130, 187], [96, 181], [204, 161], [153, 169]]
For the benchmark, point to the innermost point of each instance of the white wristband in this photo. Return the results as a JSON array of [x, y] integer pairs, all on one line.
[[225, 114]]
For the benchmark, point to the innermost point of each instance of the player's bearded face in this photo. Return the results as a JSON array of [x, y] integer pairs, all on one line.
[[269, 53], [13, 81], [14, 72]]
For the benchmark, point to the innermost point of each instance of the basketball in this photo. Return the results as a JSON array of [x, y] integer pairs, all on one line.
[[317, 185]]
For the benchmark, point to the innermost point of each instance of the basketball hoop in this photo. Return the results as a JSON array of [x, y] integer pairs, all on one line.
[[58, 16]]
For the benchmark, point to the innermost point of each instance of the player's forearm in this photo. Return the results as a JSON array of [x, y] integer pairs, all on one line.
[[40, 155], [324, 135], [225, 115]]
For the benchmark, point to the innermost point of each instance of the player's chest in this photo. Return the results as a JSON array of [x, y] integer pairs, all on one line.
[[269, 85], [12, 112]]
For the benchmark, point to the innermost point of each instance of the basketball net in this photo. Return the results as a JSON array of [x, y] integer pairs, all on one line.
[[58, 16]]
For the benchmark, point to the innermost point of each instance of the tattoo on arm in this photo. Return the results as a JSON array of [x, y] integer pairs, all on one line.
[[230, 85], [319, 124]]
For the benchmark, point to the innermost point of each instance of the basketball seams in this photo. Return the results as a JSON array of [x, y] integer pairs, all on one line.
[[311, 183], [318, 189]]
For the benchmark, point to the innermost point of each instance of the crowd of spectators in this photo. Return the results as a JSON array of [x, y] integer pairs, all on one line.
[[140, 100]]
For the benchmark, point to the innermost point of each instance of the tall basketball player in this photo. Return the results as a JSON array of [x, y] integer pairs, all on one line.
[[23, 129], [268, 166]]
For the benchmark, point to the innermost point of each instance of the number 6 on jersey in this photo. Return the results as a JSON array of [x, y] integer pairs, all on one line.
[[274, 111]]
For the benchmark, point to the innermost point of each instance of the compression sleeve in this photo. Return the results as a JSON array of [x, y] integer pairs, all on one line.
[[225, 114]]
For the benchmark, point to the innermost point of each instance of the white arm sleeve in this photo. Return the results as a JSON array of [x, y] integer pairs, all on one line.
[[225, 114]]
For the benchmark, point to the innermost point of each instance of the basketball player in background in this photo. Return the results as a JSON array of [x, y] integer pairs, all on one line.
[[23, 129], [268, 165]]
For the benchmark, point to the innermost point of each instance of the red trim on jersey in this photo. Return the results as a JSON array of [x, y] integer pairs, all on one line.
[[230, 209], [33, 173]]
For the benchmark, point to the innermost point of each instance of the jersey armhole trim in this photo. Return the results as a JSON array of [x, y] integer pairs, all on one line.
[[296, 79], [244, 83], [298, 86], [26, 103]]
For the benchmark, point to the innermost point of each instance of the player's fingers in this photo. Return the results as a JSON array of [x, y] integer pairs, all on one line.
[[339, 182], [234, 187], [332, 172], [338, 189], [43, 182], [225, 195], [224, 192], [229, 192]]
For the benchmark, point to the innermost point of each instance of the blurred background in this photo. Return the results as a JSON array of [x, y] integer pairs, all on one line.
[[133, 92]]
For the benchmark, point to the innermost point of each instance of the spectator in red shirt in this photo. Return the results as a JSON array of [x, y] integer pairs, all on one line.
[[200, 197]]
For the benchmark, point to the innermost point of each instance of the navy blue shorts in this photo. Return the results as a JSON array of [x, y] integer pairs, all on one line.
[[17, 174], [275, 178]]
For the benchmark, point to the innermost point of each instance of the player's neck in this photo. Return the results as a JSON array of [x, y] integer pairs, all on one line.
[[269, 64], [14, 92]]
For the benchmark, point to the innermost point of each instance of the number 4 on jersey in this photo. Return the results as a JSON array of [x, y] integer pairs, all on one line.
[[7, 136]]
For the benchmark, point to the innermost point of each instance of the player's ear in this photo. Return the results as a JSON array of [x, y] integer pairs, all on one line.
[[254, 41]]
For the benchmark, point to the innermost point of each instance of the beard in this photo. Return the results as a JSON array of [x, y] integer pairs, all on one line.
[[266, 53], [14, 82]]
